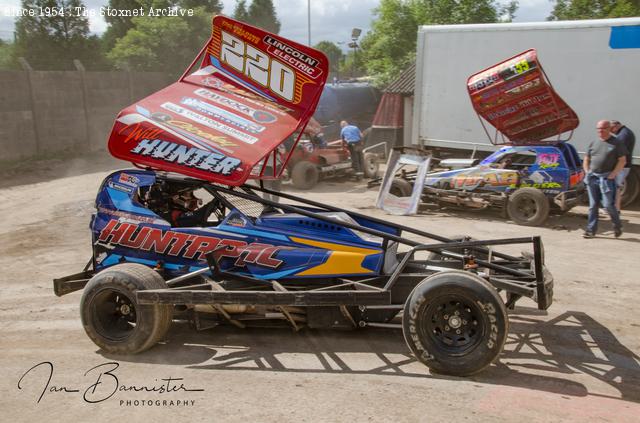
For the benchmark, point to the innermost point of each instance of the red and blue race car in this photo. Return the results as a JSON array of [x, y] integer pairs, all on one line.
[[185, 236]]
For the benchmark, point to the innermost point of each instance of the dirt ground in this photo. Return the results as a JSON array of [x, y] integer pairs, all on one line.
[[577, 362]]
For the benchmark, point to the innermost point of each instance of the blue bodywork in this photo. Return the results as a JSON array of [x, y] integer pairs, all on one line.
[[271, 245], [553, 169]]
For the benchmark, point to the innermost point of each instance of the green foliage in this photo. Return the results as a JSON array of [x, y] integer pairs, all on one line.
[[6, 56], [166, 44], [210, 6], [353, 65], [262, 14], [332, 52], [240, 12], [118, 26], [52, 42], [594, 9], [390, 45]]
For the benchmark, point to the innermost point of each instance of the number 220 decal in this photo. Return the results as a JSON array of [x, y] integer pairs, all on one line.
[[258, 66]]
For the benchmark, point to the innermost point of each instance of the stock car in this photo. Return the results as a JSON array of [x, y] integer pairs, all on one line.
[[535, 172], [526, 182], [186, 236]]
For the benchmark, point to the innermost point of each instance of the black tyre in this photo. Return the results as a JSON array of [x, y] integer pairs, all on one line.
[[455, 323], [371, 165], [631, 188], [111, 316], [528, 207], [304, 175], [401, 188]]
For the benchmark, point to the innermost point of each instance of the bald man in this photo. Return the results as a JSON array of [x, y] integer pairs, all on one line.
[[604, 160]]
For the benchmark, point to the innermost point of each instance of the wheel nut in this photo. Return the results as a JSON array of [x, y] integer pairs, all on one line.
[[458, 331], [446, 317], [464, 322], [457, 313], [446, 328]]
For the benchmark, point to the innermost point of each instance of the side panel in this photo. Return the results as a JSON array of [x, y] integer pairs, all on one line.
[[592, 77]]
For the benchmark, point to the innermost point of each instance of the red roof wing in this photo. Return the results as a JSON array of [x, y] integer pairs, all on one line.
[[253, 90], [516, 97]]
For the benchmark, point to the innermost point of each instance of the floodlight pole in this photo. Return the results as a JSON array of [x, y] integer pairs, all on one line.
[[309, 21]]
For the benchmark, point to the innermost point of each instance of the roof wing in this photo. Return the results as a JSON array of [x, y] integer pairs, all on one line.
[[252, 90], [516, 97]]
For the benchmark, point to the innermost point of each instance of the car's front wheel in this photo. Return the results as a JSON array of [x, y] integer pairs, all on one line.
[[455, 323], [528, 207]]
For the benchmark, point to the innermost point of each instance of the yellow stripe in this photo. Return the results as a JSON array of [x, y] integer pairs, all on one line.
[[344, 259]]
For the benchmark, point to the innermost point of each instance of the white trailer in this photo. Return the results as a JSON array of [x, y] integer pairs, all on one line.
[[594, 65]]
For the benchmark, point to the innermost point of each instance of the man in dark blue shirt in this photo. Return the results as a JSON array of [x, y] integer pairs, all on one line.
[[604, 160], [626, 137], [352, 135]]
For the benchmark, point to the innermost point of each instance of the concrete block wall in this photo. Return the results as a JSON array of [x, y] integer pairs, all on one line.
[[44, 112]]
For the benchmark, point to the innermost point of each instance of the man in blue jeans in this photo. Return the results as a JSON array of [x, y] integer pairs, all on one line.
[[604, 160], [352, 135]]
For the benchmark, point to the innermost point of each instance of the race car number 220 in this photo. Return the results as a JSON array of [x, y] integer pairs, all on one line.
[[258, 66]]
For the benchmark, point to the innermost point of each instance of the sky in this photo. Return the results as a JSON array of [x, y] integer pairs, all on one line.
[[331, 20]]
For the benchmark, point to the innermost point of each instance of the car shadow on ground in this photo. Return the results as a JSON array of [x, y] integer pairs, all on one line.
[[540, 354]]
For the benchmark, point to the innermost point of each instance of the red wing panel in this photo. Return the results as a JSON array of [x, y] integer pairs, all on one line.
[[252, 91], [517, 99]]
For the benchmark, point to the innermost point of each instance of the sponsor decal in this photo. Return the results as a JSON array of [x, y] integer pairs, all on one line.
[[259, 116], [188, 246], [248, 96], [130, 216], [133, 120], [203, 120], [127, 179], [119, 187], [187, 156], [236, 221], [548, 160], [223, 115], [296, 58], [139, 131]]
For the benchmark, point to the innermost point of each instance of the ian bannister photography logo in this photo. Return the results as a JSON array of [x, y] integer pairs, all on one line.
[[86, 12], [102, 383]]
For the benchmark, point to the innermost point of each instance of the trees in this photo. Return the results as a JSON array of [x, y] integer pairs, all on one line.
[[165, 44], [120, 25], [391, 43], [332, 52], [262, 14], [240, 12], [594, 9], [52, 42]]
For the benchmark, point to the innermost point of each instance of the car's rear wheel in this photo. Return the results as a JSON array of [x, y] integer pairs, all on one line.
[[455, 323], [631, 188], [371, 165], [528, 207], [401, 188], [111, 316], [305, 175]]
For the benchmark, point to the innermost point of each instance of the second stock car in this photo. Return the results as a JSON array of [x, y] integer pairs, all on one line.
[[186, 237], [534, 173], [526, 182]]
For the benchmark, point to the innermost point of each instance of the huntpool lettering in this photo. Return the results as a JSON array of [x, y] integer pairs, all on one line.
[[188, 246]]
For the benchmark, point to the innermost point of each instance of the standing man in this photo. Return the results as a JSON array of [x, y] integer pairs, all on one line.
[[604, 160], [626, 137], [353, 137]]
